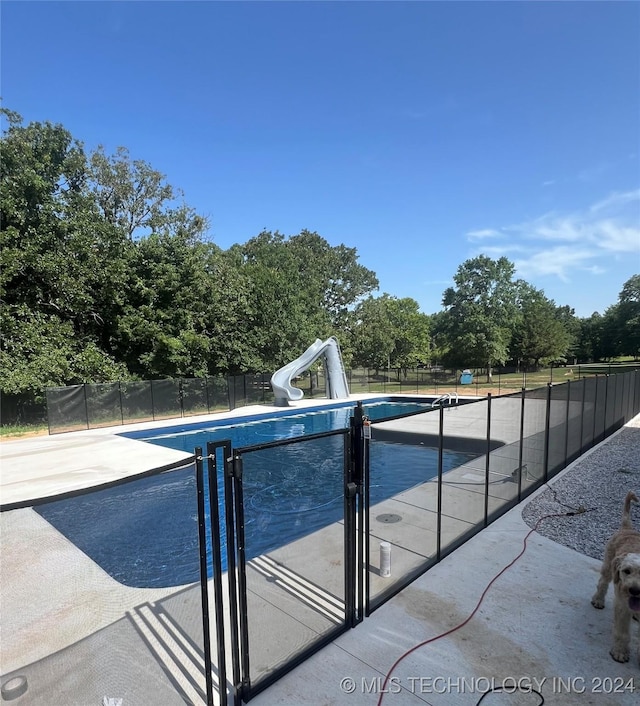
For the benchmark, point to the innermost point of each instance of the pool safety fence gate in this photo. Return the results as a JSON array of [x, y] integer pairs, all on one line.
[[279, 547]]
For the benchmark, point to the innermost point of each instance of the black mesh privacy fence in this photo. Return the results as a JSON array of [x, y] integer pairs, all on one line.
[[141, 401], [195, 397], [600, 412], [97, 405], [167, 399], [67, 408], [575, 417], [557, 432], [104, 404]]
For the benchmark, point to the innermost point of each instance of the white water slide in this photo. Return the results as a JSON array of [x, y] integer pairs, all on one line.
[[329, 350]]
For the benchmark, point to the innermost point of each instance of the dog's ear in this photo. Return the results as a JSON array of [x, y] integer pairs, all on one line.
[[615, 569]]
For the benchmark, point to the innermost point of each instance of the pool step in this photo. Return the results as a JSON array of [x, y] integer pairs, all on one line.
[[180, 659], [311, 594]]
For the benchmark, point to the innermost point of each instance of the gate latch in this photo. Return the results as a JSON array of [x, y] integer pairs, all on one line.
[[351, 490]]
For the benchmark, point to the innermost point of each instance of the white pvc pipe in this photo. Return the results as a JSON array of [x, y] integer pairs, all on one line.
[[385, 559]]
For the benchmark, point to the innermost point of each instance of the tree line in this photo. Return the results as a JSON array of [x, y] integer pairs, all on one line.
[[108, 274]]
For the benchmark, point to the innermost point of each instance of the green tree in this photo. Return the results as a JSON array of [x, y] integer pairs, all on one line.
[[131, 194], [162, 330], [628, 317], [334, 279], [55, 267], [373, 337], [480, 313], [301, 289], [540, 334], [390, 331], [567, 316], [284, 319]]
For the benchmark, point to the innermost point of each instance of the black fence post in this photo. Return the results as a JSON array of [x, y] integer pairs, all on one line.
[[566, 425], [615, 399], [595, 412], [584, 393], [86, 403], [547, 429], [216, 554], [521, 445], [204, 579], [153, 404], [238, 498], [232, 573], [121, 405], [440, 468], [606, 402], [352, 495], [46, 396], [487, 469]]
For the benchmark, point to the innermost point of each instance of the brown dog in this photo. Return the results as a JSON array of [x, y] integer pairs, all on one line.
[[622, 564]]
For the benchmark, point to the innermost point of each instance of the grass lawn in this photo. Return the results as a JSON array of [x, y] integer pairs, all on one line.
[[17, 431]]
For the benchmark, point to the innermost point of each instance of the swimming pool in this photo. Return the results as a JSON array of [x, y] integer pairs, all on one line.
[[144, 533], [270, 426]]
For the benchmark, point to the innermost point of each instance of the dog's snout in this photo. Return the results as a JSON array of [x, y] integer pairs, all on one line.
[[634, 590]]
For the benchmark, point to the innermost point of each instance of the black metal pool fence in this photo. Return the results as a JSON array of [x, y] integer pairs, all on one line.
[[93, 405], [232, 633]]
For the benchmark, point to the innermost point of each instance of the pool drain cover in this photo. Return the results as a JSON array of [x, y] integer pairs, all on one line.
[[389, 517]]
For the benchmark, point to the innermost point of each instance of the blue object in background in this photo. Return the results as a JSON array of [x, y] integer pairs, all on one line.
[[466, 378]]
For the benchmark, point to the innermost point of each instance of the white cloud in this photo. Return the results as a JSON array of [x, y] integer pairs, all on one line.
[[474, 235], [507, 249], [616, 199], [566, 229], [619, 238], [558, 244], [558, 261], [595, 270]]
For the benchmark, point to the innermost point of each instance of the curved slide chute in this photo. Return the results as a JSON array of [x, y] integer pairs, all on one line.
[[337, 387]]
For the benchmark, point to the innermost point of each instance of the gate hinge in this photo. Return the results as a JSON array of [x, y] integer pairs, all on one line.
[[234, 467]]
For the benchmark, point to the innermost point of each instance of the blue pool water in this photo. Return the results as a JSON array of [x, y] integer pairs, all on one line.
[[144, 533], [258, 429]]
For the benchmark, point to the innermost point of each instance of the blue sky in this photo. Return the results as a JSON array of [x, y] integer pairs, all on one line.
[[420, 133]]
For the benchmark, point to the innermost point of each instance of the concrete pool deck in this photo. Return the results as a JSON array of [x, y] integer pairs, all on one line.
[[534, 623]]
